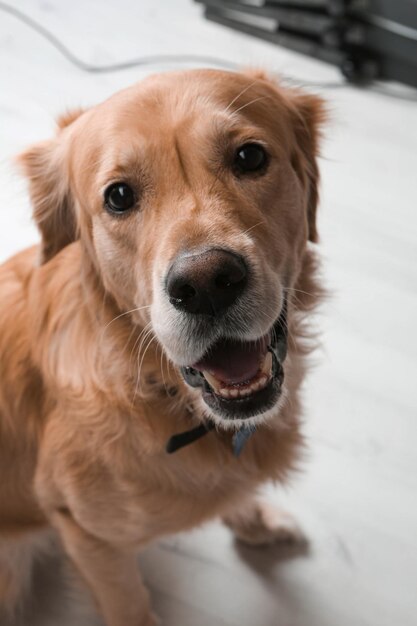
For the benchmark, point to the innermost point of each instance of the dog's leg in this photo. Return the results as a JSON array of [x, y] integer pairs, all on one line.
[[18, 553], [15, 574], [258, 523], [111, 572]]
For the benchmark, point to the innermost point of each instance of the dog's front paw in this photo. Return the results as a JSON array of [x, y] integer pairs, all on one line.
[[262, 524]]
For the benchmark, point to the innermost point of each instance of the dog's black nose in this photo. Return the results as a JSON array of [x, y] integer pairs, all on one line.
[[206, 283]]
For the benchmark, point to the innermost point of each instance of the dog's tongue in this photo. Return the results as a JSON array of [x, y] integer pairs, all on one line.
[[233, 361]]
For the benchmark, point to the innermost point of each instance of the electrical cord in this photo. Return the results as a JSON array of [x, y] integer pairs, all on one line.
[[162, 59], [113, 67]]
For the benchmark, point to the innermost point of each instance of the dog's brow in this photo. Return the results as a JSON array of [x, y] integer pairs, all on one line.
[[123, 162], [251, 102], [241, 94], [181, 160]]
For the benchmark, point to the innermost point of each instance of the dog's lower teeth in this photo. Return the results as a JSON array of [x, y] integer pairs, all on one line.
[[238, 392]]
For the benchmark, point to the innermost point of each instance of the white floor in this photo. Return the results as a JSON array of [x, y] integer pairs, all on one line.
[[357, 499]]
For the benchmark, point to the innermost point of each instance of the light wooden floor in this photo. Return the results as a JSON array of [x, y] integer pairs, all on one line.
[[357, 499]]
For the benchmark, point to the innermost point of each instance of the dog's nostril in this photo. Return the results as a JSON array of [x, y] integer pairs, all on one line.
[[231, 279], [185, 292], [222, 281], [182, 295]]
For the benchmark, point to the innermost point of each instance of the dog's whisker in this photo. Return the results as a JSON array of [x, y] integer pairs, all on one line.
[[144, 332], [241, 94], [162, 371], [143, 341], [138, 368], [293, 289], [251, 102], [138, 379], [140, 308], [128, 340], [245, 232]]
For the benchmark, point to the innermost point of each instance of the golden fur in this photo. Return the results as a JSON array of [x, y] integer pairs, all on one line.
[[88, 398]]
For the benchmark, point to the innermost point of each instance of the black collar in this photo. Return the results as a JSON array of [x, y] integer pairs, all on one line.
[[189, 436], [240, 437]]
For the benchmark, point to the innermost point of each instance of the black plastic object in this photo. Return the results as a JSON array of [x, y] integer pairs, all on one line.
[[366, 39]]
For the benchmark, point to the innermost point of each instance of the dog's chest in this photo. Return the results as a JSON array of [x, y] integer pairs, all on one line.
[[130, 491], [135, 510], [152, 496]]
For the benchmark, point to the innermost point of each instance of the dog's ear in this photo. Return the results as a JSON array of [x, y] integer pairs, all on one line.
[[309, 114], [46, 167]]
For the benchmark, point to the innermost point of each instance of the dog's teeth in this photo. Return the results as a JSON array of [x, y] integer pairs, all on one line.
[[267, 364], [213, 382], [262, 381], [233, 392]]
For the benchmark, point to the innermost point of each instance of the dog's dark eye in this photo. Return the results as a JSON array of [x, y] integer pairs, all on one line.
[[119, 198], [251, 157]]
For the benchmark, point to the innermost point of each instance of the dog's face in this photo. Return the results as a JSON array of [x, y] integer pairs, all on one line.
[[194, 194]]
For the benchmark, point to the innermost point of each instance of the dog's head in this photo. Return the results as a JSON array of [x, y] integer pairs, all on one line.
[[193, 194]]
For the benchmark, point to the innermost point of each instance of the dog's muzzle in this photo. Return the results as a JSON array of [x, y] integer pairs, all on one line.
[[238, 379]]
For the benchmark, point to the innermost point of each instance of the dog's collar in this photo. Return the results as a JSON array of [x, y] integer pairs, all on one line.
[[239, 439]]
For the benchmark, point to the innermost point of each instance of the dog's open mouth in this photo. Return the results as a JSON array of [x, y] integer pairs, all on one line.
[[242, 379]]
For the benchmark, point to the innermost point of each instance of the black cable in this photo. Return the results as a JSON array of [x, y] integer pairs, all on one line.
[[157, 59], [174, 58]]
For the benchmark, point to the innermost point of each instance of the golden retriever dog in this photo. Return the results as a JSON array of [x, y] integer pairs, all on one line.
[[153, 345]]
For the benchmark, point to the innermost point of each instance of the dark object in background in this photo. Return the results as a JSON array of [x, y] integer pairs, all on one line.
[[367, 39]]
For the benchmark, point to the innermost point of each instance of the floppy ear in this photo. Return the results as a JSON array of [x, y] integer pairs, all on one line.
[[309, 114], [46, 167]]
